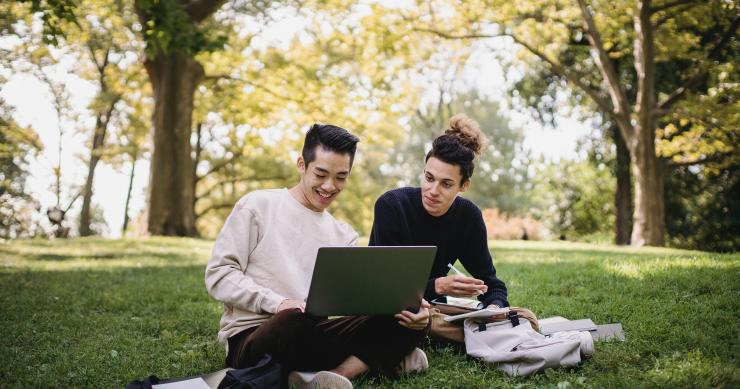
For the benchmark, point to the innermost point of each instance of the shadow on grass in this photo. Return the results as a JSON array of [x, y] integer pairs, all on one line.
[[172, 256], [577, 254]]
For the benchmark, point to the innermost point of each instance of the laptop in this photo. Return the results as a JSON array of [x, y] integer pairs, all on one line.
[[375, 280]]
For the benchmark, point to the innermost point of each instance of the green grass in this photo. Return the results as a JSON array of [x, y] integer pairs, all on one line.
[[99, 313]]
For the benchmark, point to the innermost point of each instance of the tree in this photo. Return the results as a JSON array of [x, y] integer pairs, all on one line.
[[541, 91], [659, 32], [17, 145], [104, 37], [174, 33]]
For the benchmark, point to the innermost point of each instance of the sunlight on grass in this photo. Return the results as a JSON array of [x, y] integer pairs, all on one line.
[[101, 312], [626, 269], [576, 247], [99, 253], [640, 268]]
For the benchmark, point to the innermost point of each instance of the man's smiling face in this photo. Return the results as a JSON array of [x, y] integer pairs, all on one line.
[[323, 179]]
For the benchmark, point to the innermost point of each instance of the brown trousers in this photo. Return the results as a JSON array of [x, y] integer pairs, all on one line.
[[305, 343]]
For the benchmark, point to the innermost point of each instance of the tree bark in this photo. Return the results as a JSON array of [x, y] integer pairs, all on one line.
[[128, 198], [623, 195], [174, 78], [649, 220], [101, 128]]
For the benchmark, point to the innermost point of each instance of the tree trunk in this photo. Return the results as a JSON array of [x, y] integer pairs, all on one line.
[[623, 195], [128, 197], [649, 217], [101, 128], [196, 161], [174, 78]]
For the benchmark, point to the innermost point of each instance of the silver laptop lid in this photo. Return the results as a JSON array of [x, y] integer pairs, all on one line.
[[375, 280]]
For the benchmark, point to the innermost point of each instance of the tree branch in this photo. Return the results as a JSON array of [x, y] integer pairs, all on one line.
[[201, 9], [447, 35], [215, 206], [236, 179], [265, 89], [692, 82], [671, 4], [218, 166], [605, 65], [554, 66], [574, 78], [706, 159], [670, 15]]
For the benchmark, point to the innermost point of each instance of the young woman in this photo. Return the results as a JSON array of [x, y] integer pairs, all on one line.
[[435, 215]]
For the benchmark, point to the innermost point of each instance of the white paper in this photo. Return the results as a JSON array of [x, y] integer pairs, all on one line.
[[193, 383]]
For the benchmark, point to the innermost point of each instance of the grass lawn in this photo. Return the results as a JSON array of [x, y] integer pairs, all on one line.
[[99, 313]]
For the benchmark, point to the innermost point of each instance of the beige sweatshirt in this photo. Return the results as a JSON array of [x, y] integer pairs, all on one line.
[[265, 253]]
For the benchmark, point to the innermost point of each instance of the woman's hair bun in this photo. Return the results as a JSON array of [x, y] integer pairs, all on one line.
[[468, 132]]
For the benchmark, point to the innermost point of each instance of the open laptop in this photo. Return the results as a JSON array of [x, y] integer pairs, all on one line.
[[375, 280]]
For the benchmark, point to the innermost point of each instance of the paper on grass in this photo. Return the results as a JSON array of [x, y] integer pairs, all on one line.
[[486, 312], [570, 325], [193, 383]]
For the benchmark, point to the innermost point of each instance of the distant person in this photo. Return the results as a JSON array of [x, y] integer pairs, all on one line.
[[435, 215], [261, 268]]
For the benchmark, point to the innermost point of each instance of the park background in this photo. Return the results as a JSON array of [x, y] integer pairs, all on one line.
[[610, 124]]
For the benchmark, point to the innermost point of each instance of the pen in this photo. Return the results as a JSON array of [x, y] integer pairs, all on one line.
[[454, 269]]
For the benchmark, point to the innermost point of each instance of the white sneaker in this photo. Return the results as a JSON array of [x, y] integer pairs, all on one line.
[[584, 337], [321, 380], [415, 362]]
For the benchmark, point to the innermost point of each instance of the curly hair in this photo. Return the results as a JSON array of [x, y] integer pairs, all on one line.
[[459, 145]]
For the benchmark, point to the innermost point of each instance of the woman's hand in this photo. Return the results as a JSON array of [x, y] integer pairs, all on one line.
[[459, 285], [415, 321], [292, 304]]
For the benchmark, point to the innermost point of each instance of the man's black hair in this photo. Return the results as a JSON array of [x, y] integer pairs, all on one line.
[[331, 138]]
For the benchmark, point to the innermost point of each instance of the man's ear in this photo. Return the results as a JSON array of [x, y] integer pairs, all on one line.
[[301, 163], [465, 186]]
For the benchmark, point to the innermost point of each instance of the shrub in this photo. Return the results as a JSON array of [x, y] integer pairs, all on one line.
[[503, 227]]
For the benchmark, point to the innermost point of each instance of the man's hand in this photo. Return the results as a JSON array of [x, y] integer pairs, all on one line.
[[292, 304], [415, 321], [459, 285]]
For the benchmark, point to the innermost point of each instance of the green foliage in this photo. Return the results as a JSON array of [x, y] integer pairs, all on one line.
[[575, 198], [702, 208], [54, 15], [17, 145], [167, 28], [102, 313]]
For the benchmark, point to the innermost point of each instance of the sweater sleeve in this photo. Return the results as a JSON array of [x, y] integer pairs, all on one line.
[[225, 272], [386, 230], [477, 260]]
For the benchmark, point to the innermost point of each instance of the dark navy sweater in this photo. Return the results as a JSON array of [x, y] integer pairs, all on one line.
[[459, 234]]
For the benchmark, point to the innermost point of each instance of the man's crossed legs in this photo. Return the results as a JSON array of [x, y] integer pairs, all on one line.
[[347, 346]]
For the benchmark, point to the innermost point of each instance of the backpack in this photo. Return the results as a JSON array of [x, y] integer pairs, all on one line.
[[266, 374], [452, 332]]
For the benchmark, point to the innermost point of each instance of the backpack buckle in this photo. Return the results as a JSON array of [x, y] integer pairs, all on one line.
[[514, 318]]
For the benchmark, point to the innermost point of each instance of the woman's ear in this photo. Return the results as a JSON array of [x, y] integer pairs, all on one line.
[[465, 186]]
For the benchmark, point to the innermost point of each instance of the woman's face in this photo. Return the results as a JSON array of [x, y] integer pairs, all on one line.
[[440, 184]]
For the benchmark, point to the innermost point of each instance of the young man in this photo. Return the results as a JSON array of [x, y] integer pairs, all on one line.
[[261, 268], [435, 215]]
